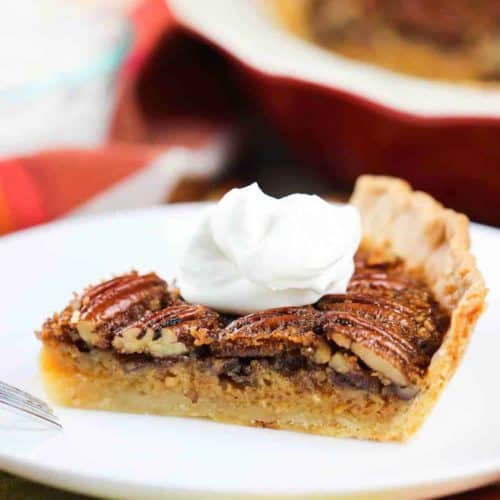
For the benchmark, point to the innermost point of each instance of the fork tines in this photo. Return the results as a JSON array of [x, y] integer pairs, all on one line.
[[25, 404]]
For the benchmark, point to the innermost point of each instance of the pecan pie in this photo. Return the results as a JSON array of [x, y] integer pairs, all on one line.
[[369, 363], [450, 39]]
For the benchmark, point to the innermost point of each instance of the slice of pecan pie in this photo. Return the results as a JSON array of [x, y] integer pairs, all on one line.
[[369, 363]]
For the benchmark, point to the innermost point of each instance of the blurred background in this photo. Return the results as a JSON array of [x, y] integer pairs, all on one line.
[[108, 104], [111, 104]]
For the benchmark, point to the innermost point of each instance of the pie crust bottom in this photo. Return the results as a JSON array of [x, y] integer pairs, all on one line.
[[101, 380]]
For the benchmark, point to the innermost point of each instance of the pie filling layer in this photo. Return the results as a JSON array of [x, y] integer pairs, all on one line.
[[377, 338]]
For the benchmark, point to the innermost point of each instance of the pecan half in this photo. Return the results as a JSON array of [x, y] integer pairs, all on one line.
[[168, 332], [268, 333], [394, 330], [104, 309]]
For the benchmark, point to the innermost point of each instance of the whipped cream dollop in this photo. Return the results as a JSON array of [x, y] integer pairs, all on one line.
[[251, 251]]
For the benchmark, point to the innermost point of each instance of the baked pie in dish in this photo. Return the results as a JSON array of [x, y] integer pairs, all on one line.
[[446, 39], [368, 363]]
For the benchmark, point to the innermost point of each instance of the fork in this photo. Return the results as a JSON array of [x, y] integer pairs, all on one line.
[[25, 404]]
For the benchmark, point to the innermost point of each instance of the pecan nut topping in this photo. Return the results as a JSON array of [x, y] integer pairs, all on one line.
[[104, 309], [380, 335], [268, 333], [168, 332], [388, 319]]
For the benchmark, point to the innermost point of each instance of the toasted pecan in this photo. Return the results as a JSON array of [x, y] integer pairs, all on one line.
[[104, 309], [268, 332], [169, 331], [389, 320]]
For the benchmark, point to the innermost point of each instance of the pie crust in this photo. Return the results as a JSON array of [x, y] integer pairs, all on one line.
[[434, 241], [173, 358]]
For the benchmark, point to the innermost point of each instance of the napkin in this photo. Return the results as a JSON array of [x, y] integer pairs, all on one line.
[[170, 135]]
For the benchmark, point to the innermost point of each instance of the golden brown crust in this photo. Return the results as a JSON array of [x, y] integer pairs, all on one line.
[[434, 241]]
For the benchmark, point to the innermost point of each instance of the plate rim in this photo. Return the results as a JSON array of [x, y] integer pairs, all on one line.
[[486, 472], [480, 472]]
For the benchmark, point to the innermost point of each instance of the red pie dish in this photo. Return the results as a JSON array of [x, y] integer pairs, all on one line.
[[349, 118]]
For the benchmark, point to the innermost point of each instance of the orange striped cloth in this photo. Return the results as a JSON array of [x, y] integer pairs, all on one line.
[[157, 86]]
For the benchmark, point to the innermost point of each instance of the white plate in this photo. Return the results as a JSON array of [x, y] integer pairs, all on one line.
[[117, 455], [245, 30]]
